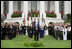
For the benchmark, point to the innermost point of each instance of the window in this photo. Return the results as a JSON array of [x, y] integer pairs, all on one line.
[[33, 5], [61, 6], [48, 7], [19, 5], [6, 6]]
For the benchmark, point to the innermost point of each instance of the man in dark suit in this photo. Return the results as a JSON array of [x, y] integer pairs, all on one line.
[[36, 33], [6, 30], [3, 31], [28, 30], [14, 29], [24, 29], [10, 28]]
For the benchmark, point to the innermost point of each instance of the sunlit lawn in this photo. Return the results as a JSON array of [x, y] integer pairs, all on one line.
[[24, 42]]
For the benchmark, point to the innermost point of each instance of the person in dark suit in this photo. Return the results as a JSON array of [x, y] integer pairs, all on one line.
[[28, 29], [36, 33], [14, 29], [10, 28], [6, 30], [31, 32], [24, 30], [17, 29], [3, 31], [49, 29]]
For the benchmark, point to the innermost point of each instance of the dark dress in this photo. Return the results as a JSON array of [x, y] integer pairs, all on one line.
[[41, 33], [24, 30], [3, 32]]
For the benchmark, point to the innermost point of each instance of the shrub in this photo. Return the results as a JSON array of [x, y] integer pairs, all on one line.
[[51, 15], [69, 16], [33, 44], [36, 44], [16, 15]]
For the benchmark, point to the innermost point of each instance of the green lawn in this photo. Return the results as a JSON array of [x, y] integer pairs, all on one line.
[[24, 42]]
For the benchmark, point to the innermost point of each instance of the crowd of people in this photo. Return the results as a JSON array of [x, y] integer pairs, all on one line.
[[60, 31]]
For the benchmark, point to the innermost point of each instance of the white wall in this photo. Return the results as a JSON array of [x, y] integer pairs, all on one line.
[[69, 6], [2, 7]]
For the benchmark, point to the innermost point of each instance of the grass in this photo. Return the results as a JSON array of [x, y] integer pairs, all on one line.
[[24, 42]]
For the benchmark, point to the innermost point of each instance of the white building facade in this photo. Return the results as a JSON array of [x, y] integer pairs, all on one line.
[[42, 6]]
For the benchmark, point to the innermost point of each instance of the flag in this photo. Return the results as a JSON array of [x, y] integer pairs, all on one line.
[[34, 19], [42, 18], [43, 21], [28, 17], [24, 19], [31, 20], [38, 21]]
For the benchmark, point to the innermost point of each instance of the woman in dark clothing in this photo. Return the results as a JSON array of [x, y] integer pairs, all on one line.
[[42, 30], [31, 32]]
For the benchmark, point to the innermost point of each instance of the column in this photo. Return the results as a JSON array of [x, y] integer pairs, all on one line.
[[66, 7], [25, 10], [10, 10], [57, 10], [2, 4], [42, 10], [38, 5]]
